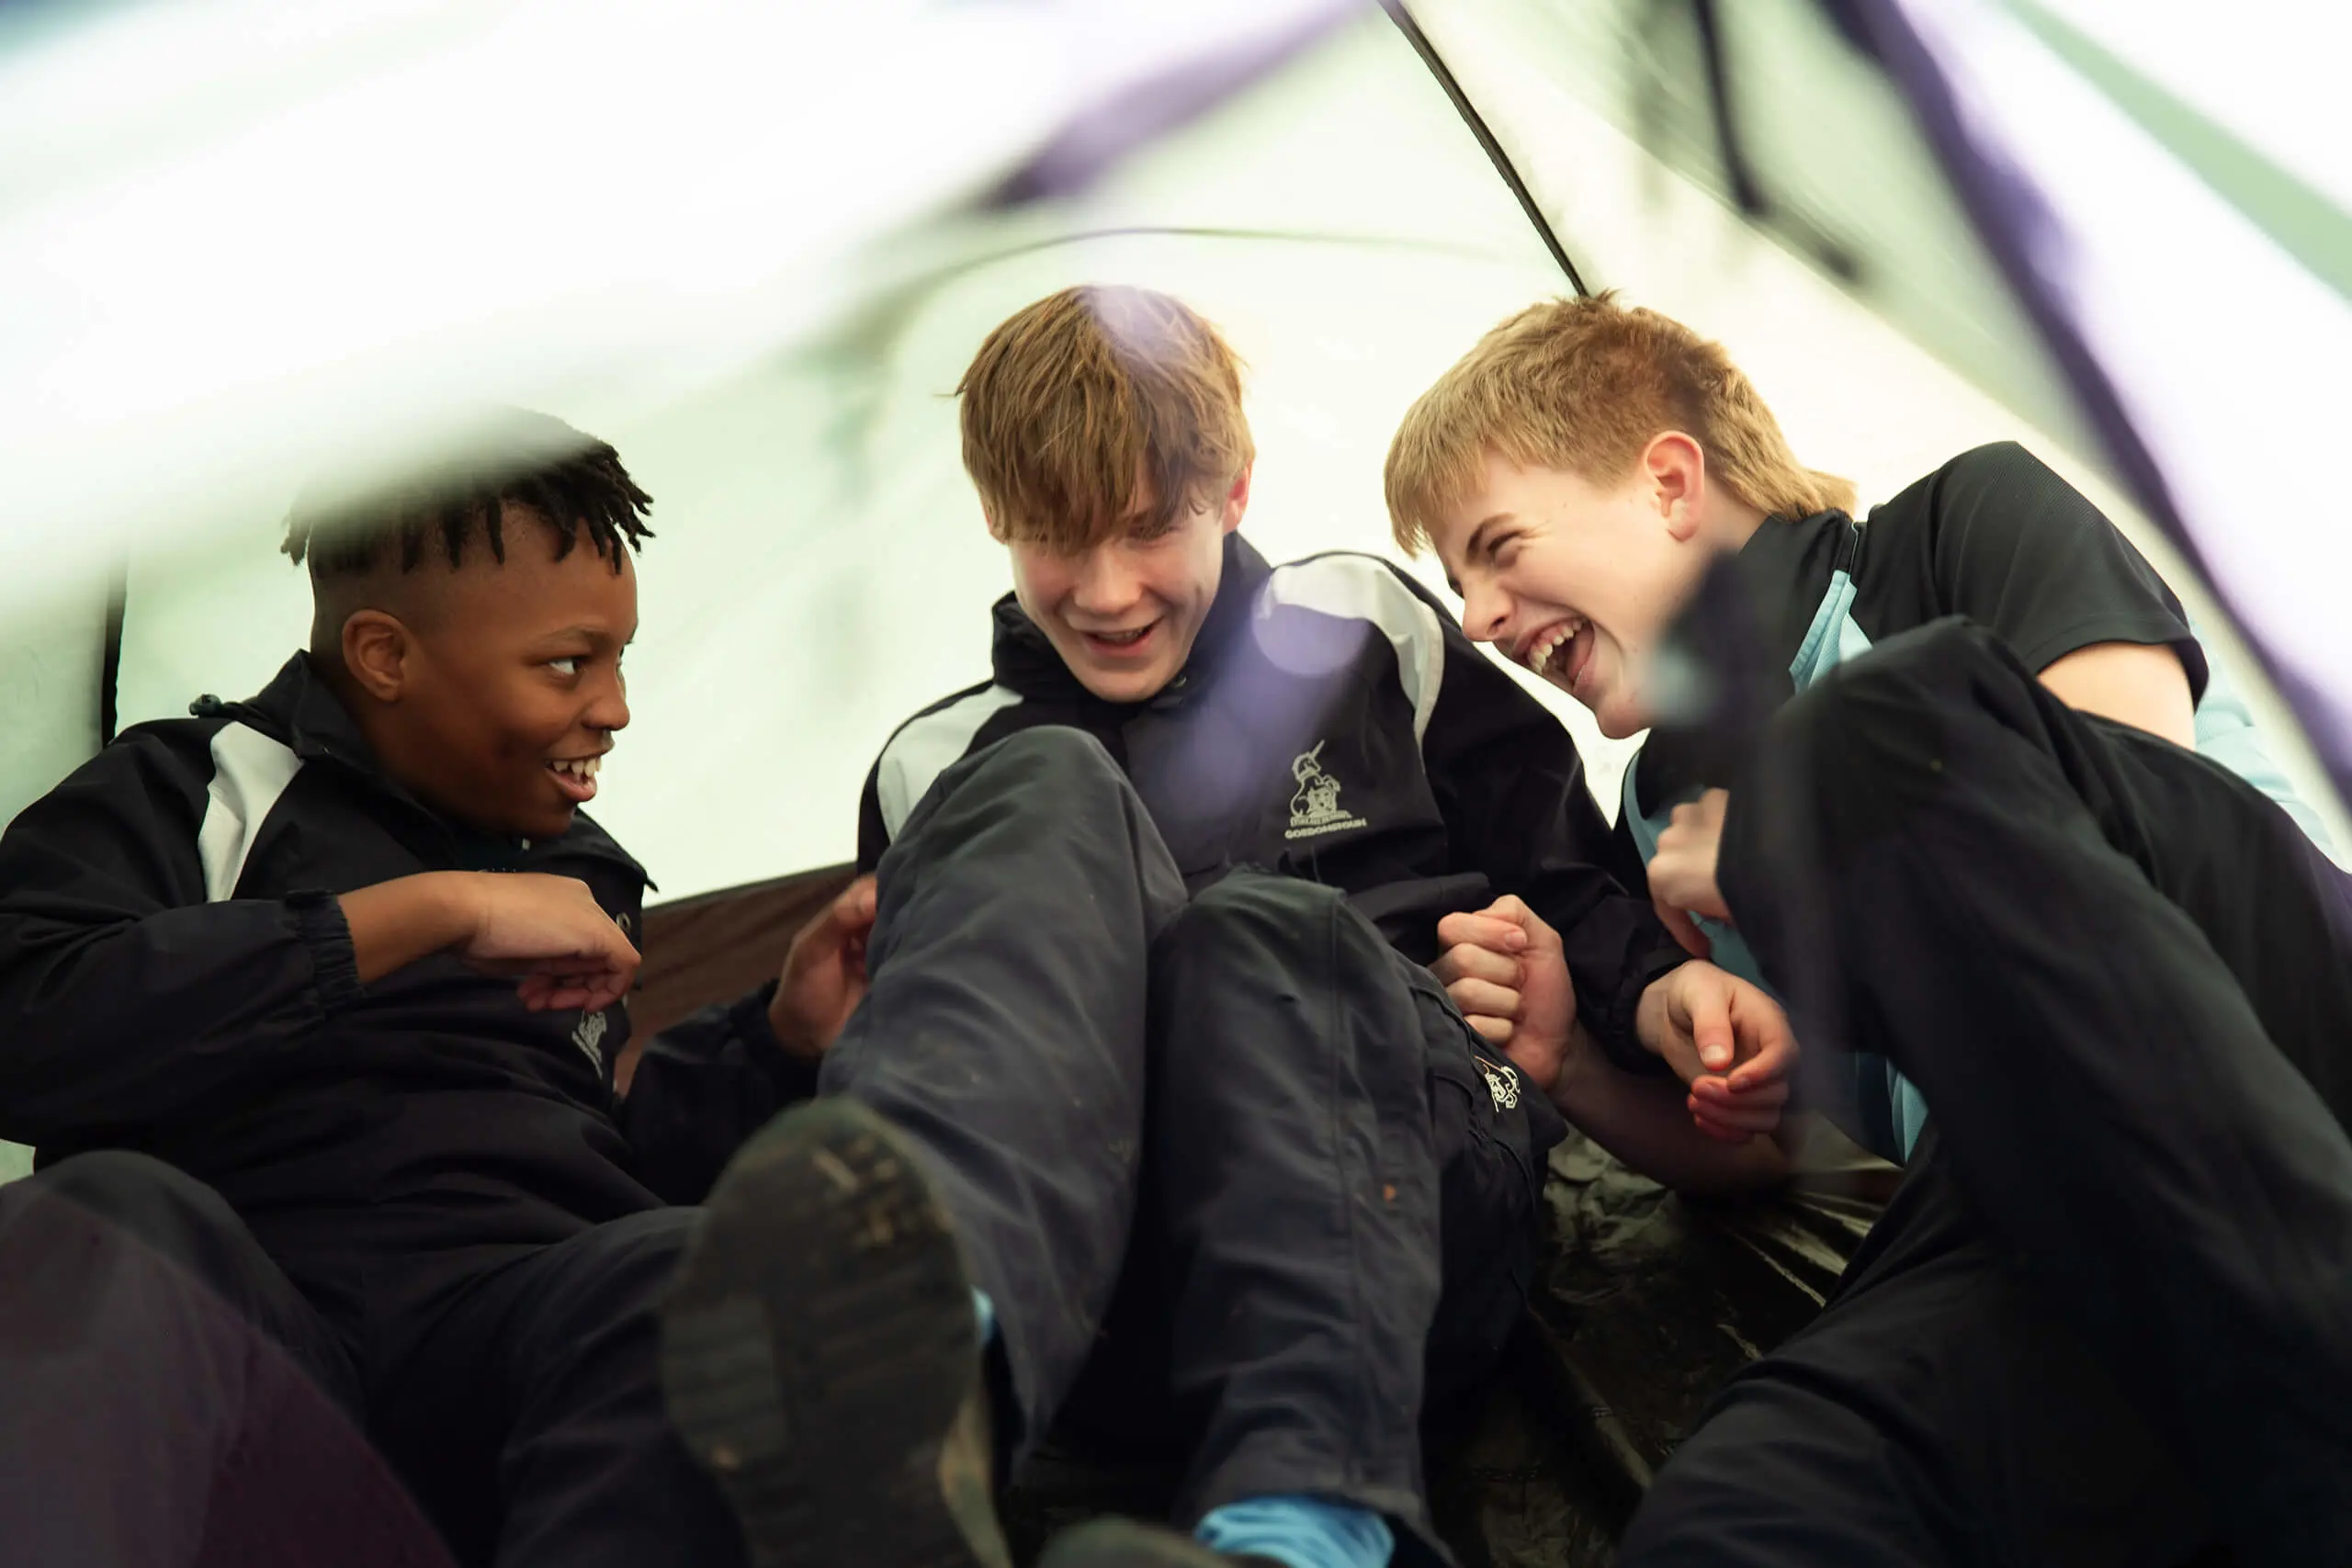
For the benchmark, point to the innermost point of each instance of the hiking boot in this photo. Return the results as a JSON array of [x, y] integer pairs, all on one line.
[[820, 1354], [1123, 1543]]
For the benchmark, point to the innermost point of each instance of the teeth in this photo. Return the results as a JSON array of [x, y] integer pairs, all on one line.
[[1540, 656], [578, 767]]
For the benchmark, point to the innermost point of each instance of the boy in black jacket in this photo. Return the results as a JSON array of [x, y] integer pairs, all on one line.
[[1280, 1198], [310, 1004]]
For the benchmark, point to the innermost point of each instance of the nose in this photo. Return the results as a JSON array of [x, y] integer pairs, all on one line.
[[1485, 609], [609, 707], [1106, 582]]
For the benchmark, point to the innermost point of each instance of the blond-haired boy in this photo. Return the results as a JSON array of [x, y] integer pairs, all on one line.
[[2102, 1321]]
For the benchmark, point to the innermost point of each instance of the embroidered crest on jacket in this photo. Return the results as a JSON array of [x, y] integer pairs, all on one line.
[[1315, 809], [589, 1036], [1502, 1082]]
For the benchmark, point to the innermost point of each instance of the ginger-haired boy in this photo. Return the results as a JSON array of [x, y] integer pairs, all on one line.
[[1931, 774]]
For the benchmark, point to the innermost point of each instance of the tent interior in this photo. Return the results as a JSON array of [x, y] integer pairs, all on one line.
[[821, 569]]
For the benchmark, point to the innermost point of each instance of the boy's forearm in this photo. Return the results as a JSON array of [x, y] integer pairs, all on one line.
[[1646, 1123], [395, 923]]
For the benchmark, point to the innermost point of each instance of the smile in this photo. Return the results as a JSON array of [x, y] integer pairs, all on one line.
[[576, 777], [1559, 652], [1120, 643]]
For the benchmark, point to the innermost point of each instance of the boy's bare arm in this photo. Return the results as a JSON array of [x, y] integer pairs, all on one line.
[[1707, 1130], [1647, 1123], [2142, 685]]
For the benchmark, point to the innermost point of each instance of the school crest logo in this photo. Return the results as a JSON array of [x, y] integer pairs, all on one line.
[[1315, 809], [589, 1036], [1502, 1082]]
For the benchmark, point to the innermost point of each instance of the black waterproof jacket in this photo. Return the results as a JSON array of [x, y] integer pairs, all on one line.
[[177, 977], [1334, 724]]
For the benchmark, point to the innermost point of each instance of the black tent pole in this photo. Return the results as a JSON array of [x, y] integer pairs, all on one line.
[[1478, 124], [110, 653]]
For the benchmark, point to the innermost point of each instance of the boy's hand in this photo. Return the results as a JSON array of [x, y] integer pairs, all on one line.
[[824, 974], [1728, 1039], [1682, 873], [550, 932], [1505, 971]]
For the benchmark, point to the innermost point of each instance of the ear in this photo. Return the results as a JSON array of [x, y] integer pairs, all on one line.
[[987, 515], [1676, 466], [1236, 499], [377, 651]]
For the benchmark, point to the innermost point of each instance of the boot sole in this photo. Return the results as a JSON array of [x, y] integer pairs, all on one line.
[[820, 1355]]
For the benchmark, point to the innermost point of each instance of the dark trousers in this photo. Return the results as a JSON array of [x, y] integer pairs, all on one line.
[[1244, 1105], [2114, 1291], [168, 1397], [167, 1400]]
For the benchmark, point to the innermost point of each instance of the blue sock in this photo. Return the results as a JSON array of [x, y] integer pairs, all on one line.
[[1305, 1532], [985, 1310]]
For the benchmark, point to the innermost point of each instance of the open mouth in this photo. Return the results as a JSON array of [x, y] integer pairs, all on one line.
[[1123, 644], [576, 777], [1560, 652]]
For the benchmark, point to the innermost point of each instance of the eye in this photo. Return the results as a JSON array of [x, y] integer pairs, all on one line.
[[1500, 552], [566, 666]]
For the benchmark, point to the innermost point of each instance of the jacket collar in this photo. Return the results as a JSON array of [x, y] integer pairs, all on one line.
[[1025, 662], [1747, 625], [299, 708], [1786, 568]]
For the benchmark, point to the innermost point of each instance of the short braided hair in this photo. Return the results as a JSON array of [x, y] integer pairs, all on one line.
[[572, 480]]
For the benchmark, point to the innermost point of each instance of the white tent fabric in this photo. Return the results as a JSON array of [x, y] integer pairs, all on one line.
[[741, 242], [821, 554]]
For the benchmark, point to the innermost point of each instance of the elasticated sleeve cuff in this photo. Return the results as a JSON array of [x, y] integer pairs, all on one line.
[[319, 922], [794, 1077]]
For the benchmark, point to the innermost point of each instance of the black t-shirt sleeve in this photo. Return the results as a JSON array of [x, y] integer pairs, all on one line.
[[2015, 547]]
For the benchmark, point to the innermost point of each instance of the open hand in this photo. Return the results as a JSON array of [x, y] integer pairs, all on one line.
[[551, 934], [824, 973], [1508, 976], [1682, 873], [1725, 1038]]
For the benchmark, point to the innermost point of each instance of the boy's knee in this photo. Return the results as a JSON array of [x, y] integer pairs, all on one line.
[[1253, 912], [134, 1190], [1893, 706], [1050, 757], [1948, 660], [1049, 771]]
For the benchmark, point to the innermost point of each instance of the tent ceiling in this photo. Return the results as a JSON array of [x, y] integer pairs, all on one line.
[[820, 566]]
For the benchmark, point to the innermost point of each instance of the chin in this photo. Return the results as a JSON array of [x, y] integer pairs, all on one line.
[[1127, 685], [1618, 720], [537, 825]]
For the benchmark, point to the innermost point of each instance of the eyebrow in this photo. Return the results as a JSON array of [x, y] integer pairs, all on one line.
[[587, 634], [1470, 550]]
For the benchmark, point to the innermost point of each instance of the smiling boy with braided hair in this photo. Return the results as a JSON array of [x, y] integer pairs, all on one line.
[[310, 1004]]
